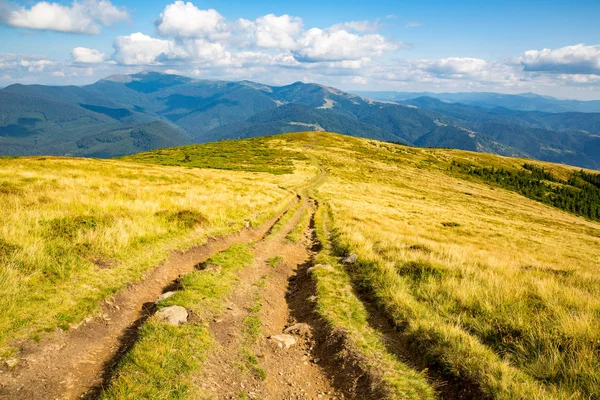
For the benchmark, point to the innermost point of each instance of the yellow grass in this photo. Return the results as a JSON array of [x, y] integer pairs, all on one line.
[[75, 231], [508, 299], [488, 287]]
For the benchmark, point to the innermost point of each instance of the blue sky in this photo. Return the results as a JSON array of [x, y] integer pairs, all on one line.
[[548, 47]]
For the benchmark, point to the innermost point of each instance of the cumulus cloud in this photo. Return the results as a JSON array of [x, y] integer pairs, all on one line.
[[577, 59], [140, 49], [85, 55], [80, 17], [278, 32], [336, 45], [185, 23], [23, 62], [453, 66], [185, 20]]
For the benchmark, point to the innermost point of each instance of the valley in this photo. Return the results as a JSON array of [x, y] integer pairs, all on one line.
[[389, 272]]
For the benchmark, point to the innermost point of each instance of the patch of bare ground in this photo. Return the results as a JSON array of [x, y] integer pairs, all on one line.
[[252, 364], [76, 363], [336, 357]]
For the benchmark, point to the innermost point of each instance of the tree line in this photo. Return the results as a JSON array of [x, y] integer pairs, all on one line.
[[579, 195]]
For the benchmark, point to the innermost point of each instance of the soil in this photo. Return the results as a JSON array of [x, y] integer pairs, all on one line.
[[293, 373]]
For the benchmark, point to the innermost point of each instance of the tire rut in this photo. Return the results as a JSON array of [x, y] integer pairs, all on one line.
[[293, 373]]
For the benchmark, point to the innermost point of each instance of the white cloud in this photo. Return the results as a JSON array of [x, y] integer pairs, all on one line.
[[140, 49], [105, 12], [577, 59], [359, 80], [185, 20], [16, 64], [278, 32], [453, 66], [80, 17], [336, 45], [85, 55], [278, 49], [413, 25]]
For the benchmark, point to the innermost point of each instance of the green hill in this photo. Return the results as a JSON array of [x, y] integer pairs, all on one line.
[[480, 270]]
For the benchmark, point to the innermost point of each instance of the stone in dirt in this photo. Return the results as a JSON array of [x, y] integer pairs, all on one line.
[[320, 266], [282, 341], [299, 329], [12, 362], [351, 259], [173, 315], [164, 296], [212, 267]]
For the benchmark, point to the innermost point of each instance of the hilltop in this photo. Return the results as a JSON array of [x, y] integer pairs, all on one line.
[[126, 114], [391, 272]]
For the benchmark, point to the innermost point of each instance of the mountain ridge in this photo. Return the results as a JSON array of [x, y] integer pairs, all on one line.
[[197, 111]]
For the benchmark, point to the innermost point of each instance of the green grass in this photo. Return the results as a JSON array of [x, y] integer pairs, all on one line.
[[285, 219], [251, 330], [253, 155], [297, 232], [274, 261], [164, 361]]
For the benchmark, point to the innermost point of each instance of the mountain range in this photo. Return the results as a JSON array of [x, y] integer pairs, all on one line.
[[125, 114], [521, 102]]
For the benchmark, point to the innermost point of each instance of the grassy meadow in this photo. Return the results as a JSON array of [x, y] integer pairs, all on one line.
[[491, 287], [485, 284], [75, 231]]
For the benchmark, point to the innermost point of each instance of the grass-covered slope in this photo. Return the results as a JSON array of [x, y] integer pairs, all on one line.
[[74, 231], [486, 285], [487, 266]]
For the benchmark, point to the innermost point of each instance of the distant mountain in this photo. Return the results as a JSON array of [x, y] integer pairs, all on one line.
[[124, 114], [523, 102], [32, 125]]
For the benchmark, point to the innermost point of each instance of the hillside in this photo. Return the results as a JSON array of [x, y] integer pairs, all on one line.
[[305, 263], [41, 125], [40, 119]]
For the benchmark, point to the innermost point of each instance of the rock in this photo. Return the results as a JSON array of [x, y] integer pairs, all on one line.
[[351, 259], [163, 296], [12, 362], [320, 266], [300, 329], [212, 267], [282, 341], [173, 315], [247, 224]]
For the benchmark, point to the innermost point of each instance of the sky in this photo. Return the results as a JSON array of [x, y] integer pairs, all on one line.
[[546, 47]]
